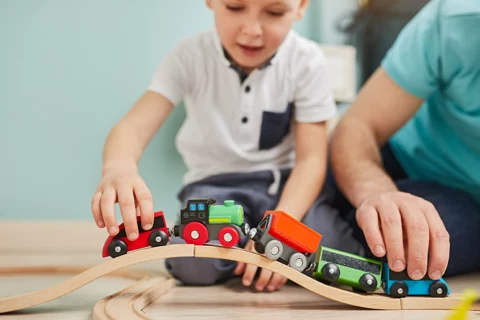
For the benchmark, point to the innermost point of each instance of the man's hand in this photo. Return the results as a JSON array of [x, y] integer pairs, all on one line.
[[273, 281], [411, 231]]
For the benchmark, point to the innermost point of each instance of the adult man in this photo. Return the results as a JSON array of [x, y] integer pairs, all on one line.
[[406, 154]]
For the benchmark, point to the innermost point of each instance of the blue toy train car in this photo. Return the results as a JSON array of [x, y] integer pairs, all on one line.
[[399, 285]]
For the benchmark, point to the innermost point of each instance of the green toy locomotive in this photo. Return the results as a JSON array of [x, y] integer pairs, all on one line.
[[202, 220]]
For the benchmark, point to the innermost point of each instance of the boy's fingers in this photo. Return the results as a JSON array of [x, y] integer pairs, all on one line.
[[239, 269], [439, 243], [145, 203], [248, 275], [127, 208], [367, 219], [264, 278], [276, 282], [96, 210], [107, 204]]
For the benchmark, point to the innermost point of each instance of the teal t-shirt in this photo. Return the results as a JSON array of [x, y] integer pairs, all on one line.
[[437, 57]]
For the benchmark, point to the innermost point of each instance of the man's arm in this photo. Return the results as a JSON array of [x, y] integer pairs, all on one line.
[[382, 107], [386, 216]]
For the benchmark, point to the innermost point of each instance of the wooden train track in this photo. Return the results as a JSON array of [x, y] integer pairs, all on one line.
[[155, 288]]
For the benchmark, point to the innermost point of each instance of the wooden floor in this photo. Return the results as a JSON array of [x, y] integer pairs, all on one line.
[[60, 245]]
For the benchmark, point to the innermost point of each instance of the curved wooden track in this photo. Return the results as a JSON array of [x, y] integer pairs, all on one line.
[[369, 301]]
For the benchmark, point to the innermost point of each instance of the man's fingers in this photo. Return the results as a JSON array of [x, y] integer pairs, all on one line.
[[416, 228], [439, 242], [391, 223], [367, 219]]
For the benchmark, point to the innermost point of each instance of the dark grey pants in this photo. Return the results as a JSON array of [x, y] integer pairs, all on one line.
[[251, 191]]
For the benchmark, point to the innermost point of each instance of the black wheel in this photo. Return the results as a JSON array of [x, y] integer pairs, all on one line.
[[368, 282], [117, 248], [438, 289], [399, 290], [259, 247], [157, 238], [176, 231], [331, 272]]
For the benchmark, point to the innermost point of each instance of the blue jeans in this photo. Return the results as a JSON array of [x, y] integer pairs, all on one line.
[[459, 213]]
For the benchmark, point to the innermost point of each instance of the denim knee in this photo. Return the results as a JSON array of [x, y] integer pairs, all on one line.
[[199, 271]]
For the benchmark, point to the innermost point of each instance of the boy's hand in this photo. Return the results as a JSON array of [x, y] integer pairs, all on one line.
[[126, 187], [409, 229], [273, 281]]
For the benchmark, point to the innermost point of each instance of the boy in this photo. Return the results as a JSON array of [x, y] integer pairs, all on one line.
[[242, 85]]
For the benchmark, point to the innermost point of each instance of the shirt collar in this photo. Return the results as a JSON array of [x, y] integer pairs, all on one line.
[[227, 61]]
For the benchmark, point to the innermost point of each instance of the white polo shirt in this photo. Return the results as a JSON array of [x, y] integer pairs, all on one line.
[[234, 126]]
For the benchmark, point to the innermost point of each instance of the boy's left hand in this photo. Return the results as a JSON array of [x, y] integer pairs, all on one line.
[[272, 281]]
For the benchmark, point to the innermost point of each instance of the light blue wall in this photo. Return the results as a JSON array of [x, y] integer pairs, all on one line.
[[69, 70]]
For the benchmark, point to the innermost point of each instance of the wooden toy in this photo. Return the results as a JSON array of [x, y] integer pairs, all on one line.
[[201, 221], [283, 238], [359, 273], [399, 285], [370, 301], [119, 244]]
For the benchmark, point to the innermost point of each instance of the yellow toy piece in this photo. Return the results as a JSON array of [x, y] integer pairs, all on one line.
[[461, 311]]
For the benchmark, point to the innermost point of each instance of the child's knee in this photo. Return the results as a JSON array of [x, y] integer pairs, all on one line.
[[199, 271]]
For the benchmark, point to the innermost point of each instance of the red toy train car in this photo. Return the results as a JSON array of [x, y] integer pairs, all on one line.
[[119, 244], [281, 237]]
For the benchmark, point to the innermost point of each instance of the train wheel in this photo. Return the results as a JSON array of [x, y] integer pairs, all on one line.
[[331, 272], [399, 290], [368, 282], [117, 248], [157, 238], [298, 261], [438, 289], [228, 237], [195, 233], [273, 249]]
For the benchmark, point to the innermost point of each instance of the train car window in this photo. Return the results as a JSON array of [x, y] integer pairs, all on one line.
[[193, 207], [403, 275], [201, 207], [158, 223], [350, 262]]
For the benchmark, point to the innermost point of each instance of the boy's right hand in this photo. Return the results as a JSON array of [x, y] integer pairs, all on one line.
[[123, 184]]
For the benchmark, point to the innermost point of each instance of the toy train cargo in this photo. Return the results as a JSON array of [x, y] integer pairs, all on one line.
[[202, 221], [281, 237], [357, 272]]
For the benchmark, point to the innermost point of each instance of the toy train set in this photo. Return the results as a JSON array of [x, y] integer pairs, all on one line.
[[279, 237]]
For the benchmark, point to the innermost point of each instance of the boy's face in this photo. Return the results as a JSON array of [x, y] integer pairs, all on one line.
[[252, 30]]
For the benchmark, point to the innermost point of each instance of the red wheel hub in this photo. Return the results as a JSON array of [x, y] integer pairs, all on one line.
[[195, 233], [228, 237]]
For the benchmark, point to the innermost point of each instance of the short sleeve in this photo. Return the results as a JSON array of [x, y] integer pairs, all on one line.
[[413, 61], [314, 100], [171, 76]]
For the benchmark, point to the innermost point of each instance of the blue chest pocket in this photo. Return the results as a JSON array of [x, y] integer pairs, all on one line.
[[275, 127]]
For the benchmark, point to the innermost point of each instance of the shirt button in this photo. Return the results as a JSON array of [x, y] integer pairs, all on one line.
[[247, 89], [244, 119]]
